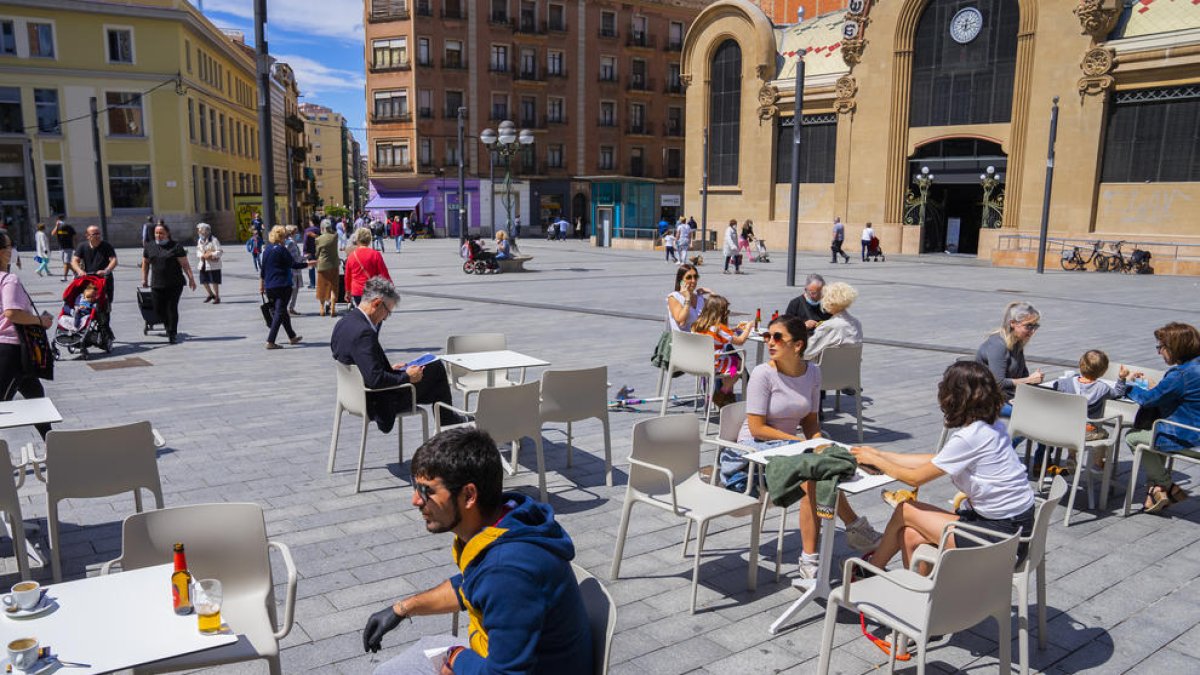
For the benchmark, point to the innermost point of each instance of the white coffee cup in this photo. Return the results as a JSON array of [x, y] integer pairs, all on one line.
[[23, 653], [25, 595]]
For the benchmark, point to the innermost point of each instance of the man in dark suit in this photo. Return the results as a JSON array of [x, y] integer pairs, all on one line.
[[355, 342]]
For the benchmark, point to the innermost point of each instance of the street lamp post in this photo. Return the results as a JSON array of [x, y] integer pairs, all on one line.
[[924, 180], [506, 141], [989, 181]]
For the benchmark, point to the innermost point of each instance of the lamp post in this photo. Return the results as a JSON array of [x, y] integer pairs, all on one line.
[[924, 180], [507, 142], [989, 181]]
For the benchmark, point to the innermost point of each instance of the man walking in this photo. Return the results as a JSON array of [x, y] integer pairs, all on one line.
[[148, 230], [839, 236], [96, 256], [515, 579], [65, 234]]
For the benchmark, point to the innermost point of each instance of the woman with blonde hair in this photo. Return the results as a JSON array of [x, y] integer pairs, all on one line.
[[1004, 350], [208, 262], [276, 284], [503, 246], [841, 328], [362, 263]]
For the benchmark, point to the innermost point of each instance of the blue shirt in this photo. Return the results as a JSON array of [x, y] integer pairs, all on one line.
[[1177, 397]]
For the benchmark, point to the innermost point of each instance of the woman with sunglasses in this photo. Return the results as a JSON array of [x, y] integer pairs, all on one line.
[[1177, 399], [1004, 350], [784, 395], [686, 302]]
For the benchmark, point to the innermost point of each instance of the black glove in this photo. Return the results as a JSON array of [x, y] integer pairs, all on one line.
[[380, 624]]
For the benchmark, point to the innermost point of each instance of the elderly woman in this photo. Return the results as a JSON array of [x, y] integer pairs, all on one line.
[[1004, 351], [292, 244], [841, 328], [1176, 398], [729, 248], [208, 262], [503, 246], [685, 303], [781, 397], [979, 458], [276, 283], [362, 263], [328, 264]]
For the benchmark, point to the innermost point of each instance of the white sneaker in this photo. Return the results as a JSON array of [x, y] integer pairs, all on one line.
[[809, 567], [861, 536]]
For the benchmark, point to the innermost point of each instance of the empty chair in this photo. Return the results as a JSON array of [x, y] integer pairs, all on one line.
[[352, 399], [691, 354], [602, 616], [841, 368], [227, 542], [93, 463], [508, 415], [10, 504], [664, 472], [468, 382], [574, 395], [967, 586], [1058, 420]]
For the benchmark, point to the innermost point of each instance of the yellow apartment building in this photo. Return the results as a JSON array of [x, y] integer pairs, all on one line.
[[178, 122]]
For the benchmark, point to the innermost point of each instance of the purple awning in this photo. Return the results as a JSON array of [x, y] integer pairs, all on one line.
[[389, 202]]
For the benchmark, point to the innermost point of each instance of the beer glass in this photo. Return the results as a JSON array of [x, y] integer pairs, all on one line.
[[207, 601]]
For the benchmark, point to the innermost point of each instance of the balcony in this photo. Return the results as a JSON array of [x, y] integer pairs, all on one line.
[[388, 10], [608, 78], [451, 112], [637, 168], [392, 167], [549, 167], [556, 119], [527, 25], [638, 129], [498, 115], [642, 40], [391, 67], [391, 117], [557, 26], [674, 171], [425, 113], [608, 33], [605, 166], [561, 72], [499, 19], [529, 75], [495, 67], [673, 129], [607, 122], [674, 88], [458, 13], [531, 122], [454, 64], [640, 83], [425, 63], [673, 46]]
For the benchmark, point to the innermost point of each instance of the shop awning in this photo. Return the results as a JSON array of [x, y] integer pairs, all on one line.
[[390, 202]]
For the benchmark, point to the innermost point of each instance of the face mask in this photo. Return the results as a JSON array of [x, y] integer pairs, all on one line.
[[160, 242]]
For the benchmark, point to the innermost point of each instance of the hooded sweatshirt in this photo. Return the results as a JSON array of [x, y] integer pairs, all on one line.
[[518, 588]]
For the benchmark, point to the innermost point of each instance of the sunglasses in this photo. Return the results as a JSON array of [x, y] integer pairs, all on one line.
[[690, 276], [1032, 326], [768, 336], [426, 490]]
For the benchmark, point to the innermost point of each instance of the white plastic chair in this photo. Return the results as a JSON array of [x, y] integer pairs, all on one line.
[[664, 472], [227, 542], [352, 399], [602, 616], [1057, 420], [10, 504], [468, 382], [94, 463], [841, 368], [968, 586], [574, 395], [508, 415], [691, 354], [1141, 449]]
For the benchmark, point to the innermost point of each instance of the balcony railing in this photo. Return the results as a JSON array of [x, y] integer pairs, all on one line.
[[557, 26], [607, 122], [424, 63], [425, 113], [608, 78], [605, 166], [561, 72], [391, 117], [454, 64], [424, 9], [451, 113], [497, 67], [607, 32], [528, 26], [674, 88], [388, 10], [391, 67], [674, 172], [673, 45], [637, 83], [548, 167], [560, 119], [673, 129], [641, 39], [529, 75], [454, 12], [638, 129], [636, 168], [392, 167], [532, 122], [498, 18], [498, 115]]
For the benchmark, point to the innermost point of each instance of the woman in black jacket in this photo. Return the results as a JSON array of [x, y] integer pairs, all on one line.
[[169, 264], [276, 274]]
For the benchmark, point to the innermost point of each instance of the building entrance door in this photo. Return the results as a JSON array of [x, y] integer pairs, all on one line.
[[954, 209]]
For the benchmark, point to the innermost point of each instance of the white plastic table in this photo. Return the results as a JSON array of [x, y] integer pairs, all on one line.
[[28, 412], [490, 362], [114, 622], [819, 587]]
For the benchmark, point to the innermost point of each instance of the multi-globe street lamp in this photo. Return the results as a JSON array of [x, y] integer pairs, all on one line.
[[989, 181], [923, 180], [506, 141]]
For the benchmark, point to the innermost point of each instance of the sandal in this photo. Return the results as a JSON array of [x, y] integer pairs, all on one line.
[[1176, 494], [1157, 499]]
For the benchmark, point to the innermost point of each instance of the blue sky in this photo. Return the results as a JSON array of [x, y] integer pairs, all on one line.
[[322, 40]]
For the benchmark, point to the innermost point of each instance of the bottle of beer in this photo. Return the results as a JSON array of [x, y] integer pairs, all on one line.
[[181, 583], [775, 316], [757, 317]]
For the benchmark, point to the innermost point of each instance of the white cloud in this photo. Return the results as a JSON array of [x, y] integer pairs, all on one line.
[[340, 19], [316, 79]]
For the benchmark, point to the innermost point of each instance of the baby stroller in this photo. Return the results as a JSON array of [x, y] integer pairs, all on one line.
[[874, 251], [760, 252], [84, 322], [478, 260]]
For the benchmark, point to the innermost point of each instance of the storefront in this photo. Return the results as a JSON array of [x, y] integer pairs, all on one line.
[[623, 211], [432, 202], [17, 198]]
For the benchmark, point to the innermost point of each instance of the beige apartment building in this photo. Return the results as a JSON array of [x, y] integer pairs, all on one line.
[[331, 162], [597, 83]]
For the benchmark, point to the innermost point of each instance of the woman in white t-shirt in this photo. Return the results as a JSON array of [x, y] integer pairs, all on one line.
[[685, 303], [979, 459]]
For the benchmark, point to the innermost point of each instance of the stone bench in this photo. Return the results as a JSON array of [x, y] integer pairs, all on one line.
[[514, 264]]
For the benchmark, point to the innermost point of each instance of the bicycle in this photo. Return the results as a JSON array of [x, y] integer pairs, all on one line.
[[1076, 261]]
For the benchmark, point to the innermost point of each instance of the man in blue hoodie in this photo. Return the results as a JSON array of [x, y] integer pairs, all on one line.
[[515, 579]]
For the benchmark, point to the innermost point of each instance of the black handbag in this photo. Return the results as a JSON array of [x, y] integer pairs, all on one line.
[[268, 310]]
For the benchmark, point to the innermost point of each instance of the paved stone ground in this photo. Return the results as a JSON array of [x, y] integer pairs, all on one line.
[[246, 424]]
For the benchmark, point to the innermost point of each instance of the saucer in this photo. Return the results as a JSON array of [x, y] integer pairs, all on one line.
[[44, 665], [44, 606]]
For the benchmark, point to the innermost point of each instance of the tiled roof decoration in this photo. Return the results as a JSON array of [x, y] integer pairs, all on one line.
[[822, 37], [1147, 17]]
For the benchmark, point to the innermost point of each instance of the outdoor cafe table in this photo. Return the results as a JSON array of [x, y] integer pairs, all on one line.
[[490, 362], [819, 587], [25, 413], [114, 622]]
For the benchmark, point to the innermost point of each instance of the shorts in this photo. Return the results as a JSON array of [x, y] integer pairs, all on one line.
[[67, 254], [1005, 526], [212, 277]]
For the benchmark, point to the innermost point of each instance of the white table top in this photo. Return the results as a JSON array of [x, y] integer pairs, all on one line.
[[114, 622], [27, 412], [862, 482], [498, 360]]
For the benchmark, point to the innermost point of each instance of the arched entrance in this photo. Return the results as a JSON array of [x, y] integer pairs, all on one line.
[[954, 206]]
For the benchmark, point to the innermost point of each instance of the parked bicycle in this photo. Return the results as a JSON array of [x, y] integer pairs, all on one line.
[[1138, 262], [1074, 260]]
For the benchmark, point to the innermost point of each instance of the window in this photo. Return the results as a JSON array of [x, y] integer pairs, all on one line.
[[608, 114], [608, 69], [425, 152], [529, 157], [187, 54], [191, 120], [637, 165], [637, 118], [674, 163], [608, 24], [41, 39], [237, 138], [222, 125], [554, 63], [56, 193], [45, 101], [391, 105], [454, 101], [606, 157], [499, 59], [120, 45], [529, 111], [675, 36], [129, 186], [674, 121], [197, 187], [1153, 135], [11, 121], [499, 106], [554, 155], [529, 63], [392, 154], [124, 114], [558, 20], [454, 54], [212, 126], [725, 99], [225, 188], [639, 31], [528, 16], [499, 11], [425, 103], [818, 148], [424, 58], [637, 74], [554, 110], [424, 8], [674, 84], [8, 38], [451, 153], [203, 127], [391, 53]]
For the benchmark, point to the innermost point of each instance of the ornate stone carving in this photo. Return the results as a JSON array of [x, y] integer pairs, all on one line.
[[686, 80], [765, 72], [852, 51], [1095, 19], [844, 91], [768, 98], [1097, 66]]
